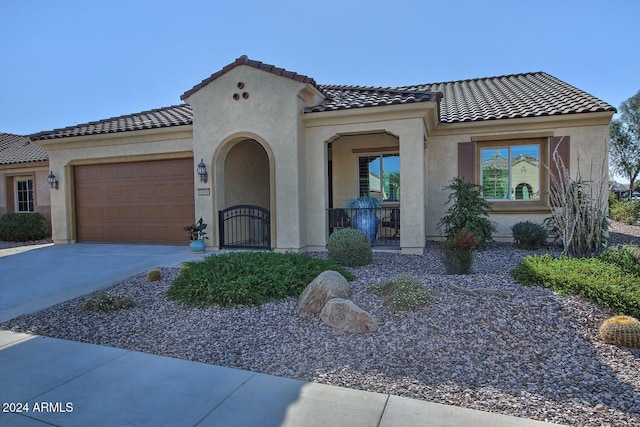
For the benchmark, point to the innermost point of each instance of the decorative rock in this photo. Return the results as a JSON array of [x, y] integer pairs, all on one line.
[[328, 284], [344, 316]]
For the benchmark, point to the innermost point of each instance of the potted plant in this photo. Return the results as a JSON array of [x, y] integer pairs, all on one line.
[[364, 216], [197, 236], [457, 252]]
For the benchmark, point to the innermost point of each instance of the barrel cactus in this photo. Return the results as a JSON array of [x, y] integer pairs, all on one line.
[[154, 274], [623, 331]]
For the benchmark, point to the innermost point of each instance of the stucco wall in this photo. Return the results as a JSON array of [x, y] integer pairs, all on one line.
[[399, 127], [38, 171], [588, 143], [269, 113], [113, 148], [246, 175]]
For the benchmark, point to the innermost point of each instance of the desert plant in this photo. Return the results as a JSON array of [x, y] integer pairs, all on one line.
[[457, 252], [104, 302], [349, 247], [627, 258], [196, 231], [579, 214], [626, 212], [248, 278], [529, 235], [154, 274], [469, 211], [23, 226], [600, 281], [402, 292], [622, 331]]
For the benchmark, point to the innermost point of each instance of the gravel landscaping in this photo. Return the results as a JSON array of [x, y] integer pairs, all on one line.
[[482, 342]]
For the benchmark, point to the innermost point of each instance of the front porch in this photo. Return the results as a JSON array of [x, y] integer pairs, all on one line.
[[381, 225]]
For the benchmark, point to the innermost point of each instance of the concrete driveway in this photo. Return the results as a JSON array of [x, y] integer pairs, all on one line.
[[31, 280]]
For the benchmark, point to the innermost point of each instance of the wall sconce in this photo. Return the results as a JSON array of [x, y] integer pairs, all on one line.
[[202, 171], [53, 182]]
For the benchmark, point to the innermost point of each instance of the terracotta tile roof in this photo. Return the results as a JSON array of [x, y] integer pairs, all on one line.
[[349, 97], [20, 149], [175, 115], [511, 96], [491, 98], [244, 60]]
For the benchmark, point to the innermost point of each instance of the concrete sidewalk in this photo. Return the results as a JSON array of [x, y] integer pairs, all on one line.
[[66, 383]]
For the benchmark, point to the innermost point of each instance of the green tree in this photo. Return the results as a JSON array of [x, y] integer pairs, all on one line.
[[468, 212], [624, 140]]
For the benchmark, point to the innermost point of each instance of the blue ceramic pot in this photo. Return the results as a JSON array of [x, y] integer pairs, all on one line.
[[198, 245], [367, 222]]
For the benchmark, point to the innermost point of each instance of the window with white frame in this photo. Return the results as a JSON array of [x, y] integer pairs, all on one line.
[[379, 177], [24, 194]]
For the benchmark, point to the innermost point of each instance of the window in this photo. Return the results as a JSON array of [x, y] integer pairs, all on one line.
[[24, 195], [379, 177], [510, 172]]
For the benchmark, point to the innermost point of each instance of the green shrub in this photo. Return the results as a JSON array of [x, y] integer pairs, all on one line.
[[247, 278], [627, 212], [626, 257], [350, 247], [529, 235], [403, 292], [469, 211], [104, 302], [604, 283], [23, 227]]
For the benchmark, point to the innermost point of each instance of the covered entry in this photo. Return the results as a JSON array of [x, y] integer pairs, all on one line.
[[245, 218], [137, 202]]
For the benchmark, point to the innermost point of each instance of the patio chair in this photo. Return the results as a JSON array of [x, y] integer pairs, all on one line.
[[393, 221], [338, 219]]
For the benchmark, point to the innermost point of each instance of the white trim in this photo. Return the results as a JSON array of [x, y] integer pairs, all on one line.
[[16, 199]]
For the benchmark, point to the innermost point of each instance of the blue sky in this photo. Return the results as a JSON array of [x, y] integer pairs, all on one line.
[[66, 62]]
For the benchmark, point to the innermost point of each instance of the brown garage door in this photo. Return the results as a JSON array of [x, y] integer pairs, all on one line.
[[140, 202]]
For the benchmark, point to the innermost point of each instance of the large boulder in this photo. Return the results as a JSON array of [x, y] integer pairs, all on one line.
[[344, 316], [328, 284]]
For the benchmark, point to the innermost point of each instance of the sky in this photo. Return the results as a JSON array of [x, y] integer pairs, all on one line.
[[66, 62]]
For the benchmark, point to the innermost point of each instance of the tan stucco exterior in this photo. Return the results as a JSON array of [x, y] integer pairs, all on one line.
[[64, 154], [38, 172], [259, 147]]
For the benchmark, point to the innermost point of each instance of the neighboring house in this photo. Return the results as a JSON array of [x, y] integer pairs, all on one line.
[[295, 149], [23, 176]]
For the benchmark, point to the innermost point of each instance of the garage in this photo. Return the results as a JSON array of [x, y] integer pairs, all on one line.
[[140, 202]]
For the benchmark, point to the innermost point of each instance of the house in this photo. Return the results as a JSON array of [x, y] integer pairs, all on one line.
[[264, 155], [24, 167]]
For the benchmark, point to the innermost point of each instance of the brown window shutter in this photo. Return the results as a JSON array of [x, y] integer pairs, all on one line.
[[467, 161], [561, 145]]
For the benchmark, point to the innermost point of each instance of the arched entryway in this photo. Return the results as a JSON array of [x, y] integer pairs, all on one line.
[[244, 216]]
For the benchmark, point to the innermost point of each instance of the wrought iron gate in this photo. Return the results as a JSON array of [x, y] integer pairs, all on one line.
[[245, 226]]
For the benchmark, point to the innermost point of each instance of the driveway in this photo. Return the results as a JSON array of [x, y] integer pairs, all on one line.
[[31, 280]]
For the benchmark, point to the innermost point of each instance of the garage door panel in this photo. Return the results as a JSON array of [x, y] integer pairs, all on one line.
[[141, 202]]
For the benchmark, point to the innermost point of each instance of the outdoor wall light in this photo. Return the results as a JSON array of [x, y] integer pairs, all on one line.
[[53, 182], [202, 171]]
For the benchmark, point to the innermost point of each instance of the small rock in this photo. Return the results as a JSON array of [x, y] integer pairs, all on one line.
[[328, 284], [344, 316]]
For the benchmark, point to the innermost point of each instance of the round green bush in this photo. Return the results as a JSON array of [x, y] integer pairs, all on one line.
[[350, 247], [623, 331], [23, 227], [529, 235]]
